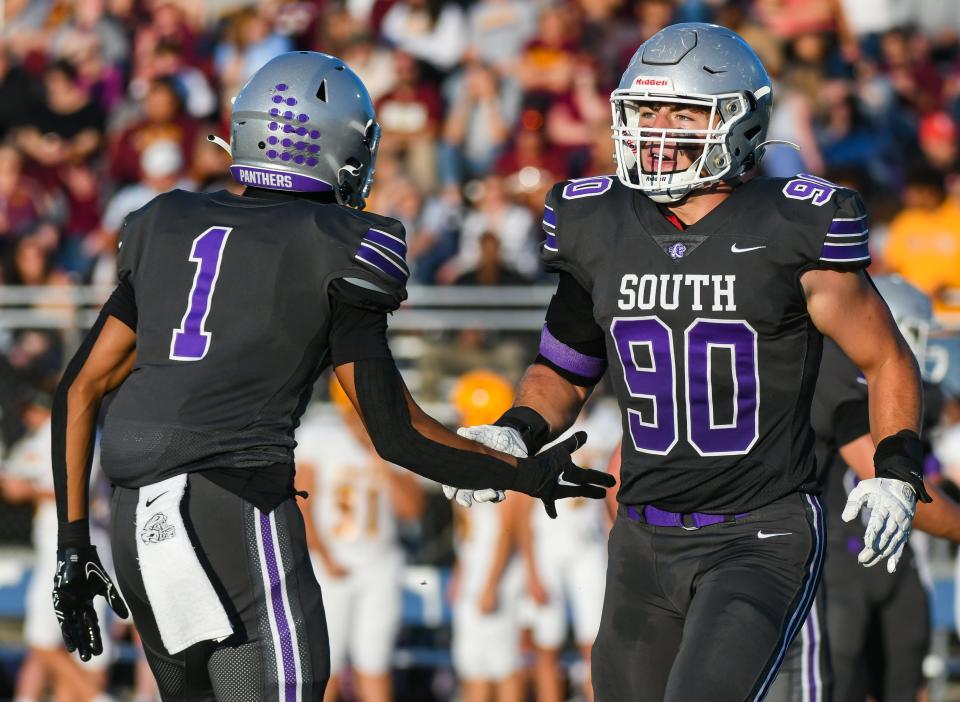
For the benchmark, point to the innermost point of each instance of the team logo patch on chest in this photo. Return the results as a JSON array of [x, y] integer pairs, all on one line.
[[157, 529], [677, 250]]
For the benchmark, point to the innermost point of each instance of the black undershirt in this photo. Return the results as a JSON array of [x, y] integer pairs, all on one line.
[[570, 320]]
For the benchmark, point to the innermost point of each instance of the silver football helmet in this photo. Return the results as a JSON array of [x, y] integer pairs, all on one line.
[[305, 123], [943, 362], [704, 66], [912, 310]]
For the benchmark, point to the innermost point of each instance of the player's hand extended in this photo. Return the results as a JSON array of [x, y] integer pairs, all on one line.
[[502, 439], [81, 577], [892, 504], [551, 475]]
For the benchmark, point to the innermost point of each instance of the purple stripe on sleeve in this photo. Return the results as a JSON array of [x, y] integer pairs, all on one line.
[[848, 226], [387, 241], [551, 242], [838, 252], [371, 256], [570, 359], [549, 216], [290, 682]]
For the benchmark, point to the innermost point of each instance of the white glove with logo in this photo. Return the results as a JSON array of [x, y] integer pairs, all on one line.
[[503, 439], [892, 504]]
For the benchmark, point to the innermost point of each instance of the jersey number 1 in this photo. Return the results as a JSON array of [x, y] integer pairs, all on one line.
[[190, 341]]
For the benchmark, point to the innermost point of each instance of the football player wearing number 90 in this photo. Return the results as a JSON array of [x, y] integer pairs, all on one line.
[[227, 309], [707, 294]]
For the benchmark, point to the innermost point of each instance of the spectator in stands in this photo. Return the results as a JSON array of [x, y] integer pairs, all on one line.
[[432, 31], [938, 142], [498, 31], [66, 126], [410, 116], [373, 62], [190, 82], [249, 43], [924, 241], [432, 223], [163, 120], [91, 25], [914, 76], [23, 201], [510, 223], [573, 117], [547, 62], [482, 110], [17, 91], [491, 269], [162, 166]]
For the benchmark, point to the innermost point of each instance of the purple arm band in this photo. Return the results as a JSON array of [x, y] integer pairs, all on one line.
[[570, 359]]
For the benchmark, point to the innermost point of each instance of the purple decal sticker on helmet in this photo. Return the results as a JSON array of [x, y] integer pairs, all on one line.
[[291, 101], [312, 162], [288, 114], [302, 131], [272, 126], [277, 99], [274, 111], [313, 148], [287, 143], [272, 140], [271, 154], [298, 159], [285, 156], [287, 129], [299, 145], [278, 180], [281, 86], [303, 118], [314, 133]]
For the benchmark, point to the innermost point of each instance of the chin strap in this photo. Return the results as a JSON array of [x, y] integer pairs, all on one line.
[[219, 142]]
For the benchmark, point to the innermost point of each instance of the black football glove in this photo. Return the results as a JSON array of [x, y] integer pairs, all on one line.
[[551, 475], [81, 577]]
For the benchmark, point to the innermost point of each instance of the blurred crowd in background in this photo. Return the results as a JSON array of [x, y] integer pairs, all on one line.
[[484, 105]]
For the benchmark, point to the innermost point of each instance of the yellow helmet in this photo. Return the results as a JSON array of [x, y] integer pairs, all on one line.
[[481, 396]]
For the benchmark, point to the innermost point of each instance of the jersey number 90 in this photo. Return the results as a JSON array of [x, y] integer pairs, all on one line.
[[656, 381]]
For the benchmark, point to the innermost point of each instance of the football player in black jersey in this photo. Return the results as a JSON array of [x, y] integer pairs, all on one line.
[[873, 634], [708, 296], [227, 309]]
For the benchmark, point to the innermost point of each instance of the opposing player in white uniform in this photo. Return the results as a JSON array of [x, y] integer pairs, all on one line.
[[351, 517], [488, 577], [567, 564], [28, 476]]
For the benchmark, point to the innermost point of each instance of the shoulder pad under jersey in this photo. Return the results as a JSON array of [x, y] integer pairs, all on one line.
[[832, 222], [372, 261], [574, 216]]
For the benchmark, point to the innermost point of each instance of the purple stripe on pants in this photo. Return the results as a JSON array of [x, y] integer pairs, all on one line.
[[811, 632], [279, 611]]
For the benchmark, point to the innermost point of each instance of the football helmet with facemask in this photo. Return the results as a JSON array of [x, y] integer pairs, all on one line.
[[912, 310], [703, 66], [304, 122]]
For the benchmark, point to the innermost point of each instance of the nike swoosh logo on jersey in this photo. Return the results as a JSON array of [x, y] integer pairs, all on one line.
[[151, 501], [770, 534], [736, 249]]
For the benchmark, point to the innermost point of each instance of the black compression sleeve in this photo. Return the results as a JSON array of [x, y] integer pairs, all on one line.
[[387, 418], [77, 532], [356, 333], [572, 343]]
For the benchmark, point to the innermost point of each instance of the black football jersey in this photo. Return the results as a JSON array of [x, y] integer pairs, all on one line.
[[710, 349], [841, 414], [233, 324]]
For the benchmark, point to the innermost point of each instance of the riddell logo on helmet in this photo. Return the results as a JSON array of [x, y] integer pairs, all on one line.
[[652, 82]]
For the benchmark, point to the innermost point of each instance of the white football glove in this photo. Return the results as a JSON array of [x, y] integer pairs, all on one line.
[[892, 504], [503, 439]]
